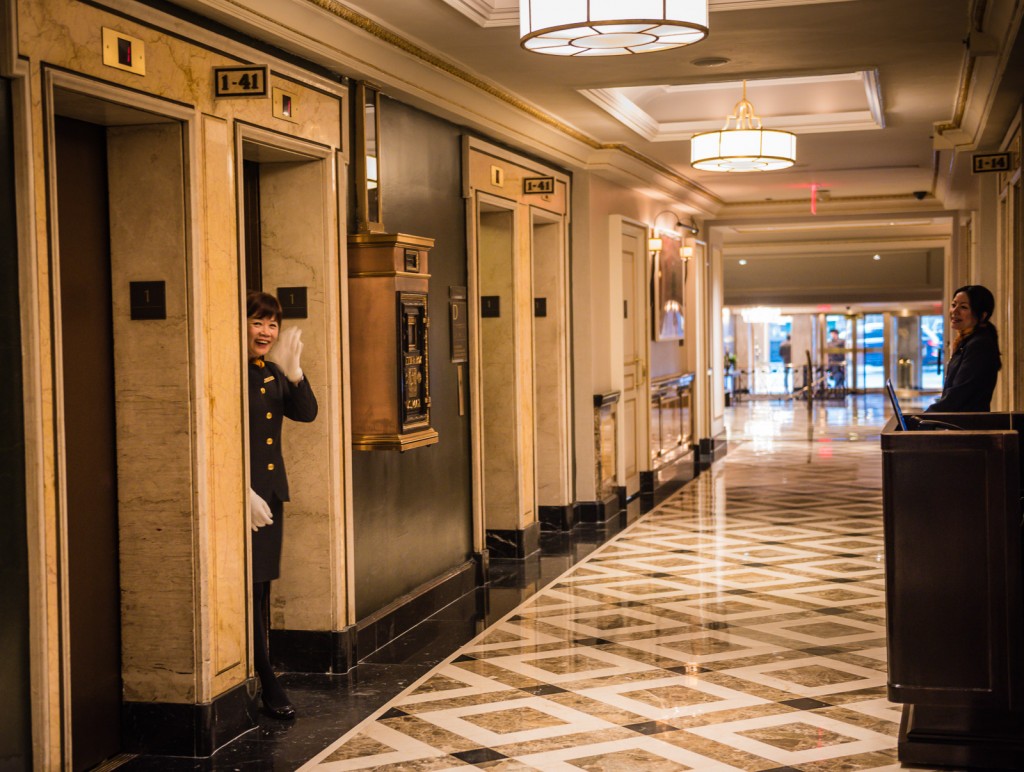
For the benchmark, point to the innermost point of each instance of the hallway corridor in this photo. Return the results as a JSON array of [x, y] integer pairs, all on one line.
[[737, 626]]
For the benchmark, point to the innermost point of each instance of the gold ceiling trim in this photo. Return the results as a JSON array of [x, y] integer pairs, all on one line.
[[381, 32], [966, 73]]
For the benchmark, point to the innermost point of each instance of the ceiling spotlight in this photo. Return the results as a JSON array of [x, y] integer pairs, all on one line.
[[743, 262], [742, 145], [877, 257], [605, 28], [710, 61]]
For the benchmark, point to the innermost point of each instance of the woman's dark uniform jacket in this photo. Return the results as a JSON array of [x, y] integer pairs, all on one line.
[[970, 375], [272, 398]]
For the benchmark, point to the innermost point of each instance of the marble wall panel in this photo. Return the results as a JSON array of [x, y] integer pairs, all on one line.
[[605, 433], [551, 396], [70, 34], [522, 277], [224, 515], [481, 177], [502, 467], [154, 416], [293, 223]]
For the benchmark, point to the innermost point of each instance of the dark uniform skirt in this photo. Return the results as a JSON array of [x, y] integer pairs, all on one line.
[[266, 545]]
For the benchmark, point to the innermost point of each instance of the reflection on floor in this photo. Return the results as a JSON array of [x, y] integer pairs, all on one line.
[[738, 626]]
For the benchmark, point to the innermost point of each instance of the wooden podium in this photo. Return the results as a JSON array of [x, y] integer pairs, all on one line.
[[954, 601]]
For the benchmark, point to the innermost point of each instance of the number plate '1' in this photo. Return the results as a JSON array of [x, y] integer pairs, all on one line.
[[240, 81]]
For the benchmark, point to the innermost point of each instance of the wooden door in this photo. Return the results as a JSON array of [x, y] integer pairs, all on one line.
[[634, 356]]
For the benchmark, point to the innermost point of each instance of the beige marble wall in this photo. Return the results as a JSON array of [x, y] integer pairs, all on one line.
[[180, 395], [154, 415], [224, 602], [551, 377], [498, 352], [294, 227], [525, 413]]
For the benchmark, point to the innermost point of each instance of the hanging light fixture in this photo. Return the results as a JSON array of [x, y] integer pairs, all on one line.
[[610, 27], [743, 147]]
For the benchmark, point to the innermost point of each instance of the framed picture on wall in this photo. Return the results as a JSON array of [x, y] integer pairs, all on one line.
[[669, 283]]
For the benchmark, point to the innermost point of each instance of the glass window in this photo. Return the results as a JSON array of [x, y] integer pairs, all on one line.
[[777, 332], [932, 351]]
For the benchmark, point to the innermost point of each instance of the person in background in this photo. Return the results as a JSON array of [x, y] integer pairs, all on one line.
[[786, 353], [837, 359], [975, 361], [278, 389]]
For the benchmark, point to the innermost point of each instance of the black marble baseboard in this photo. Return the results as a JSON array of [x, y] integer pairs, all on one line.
[[513, 545], [598, 511], [712, 449], [557, 518], [196, 731], [482, 560], [670, 477], [404, 613], [622, 496], [314, 651]]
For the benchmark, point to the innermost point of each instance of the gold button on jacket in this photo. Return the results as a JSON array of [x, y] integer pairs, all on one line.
[[272, 398]]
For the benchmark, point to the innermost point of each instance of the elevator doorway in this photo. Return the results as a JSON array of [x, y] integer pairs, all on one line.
[[285, 195], [121, 337], [90, 446]]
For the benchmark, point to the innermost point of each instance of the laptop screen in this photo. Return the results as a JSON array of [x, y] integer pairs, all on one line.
[[900, 420]]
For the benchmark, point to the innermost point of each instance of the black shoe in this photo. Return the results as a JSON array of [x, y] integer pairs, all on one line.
[[283, 711]]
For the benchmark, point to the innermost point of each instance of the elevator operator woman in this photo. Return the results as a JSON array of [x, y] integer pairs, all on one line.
[[975, 361], [277, 390]]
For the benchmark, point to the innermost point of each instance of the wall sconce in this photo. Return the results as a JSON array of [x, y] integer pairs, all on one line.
[[687, 253], [693, 229], [654, 244]]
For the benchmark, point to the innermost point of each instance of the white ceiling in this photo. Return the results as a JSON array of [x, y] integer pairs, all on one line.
[[879, 92], [913, 48], [861, 82]]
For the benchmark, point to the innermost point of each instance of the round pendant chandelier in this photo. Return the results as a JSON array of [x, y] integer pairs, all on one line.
[[610, 27], [742, 145]]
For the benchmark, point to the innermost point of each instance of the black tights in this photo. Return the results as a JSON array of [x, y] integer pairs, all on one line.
[[272, 691]]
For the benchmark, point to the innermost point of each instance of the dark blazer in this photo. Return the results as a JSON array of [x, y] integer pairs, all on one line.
[[970, 375], [272, 398]]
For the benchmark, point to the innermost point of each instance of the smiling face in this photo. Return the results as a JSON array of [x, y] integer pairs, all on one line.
[[262, 336], [961, 316]]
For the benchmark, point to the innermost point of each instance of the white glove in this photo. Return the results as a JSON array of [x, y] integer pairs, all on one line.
[[286, 353], [259, 511]]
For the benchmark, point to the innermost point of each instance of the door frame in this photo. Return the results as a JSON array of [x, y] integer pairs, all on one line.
[[474, 203], [335, 397], [543, 217], [54, 627], [617, 226]]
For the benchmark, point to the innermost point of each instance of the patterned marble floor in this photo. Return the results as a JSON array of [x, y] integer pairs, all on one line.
[[737, 626]]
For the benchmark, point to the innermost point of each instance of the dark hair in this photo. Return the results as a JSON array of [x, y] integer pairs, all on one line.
[[262, 305], [983, 303]]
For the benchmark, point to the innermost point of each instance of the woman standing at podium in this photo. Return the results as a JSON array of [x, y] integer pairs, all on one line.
[[975, 361]]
